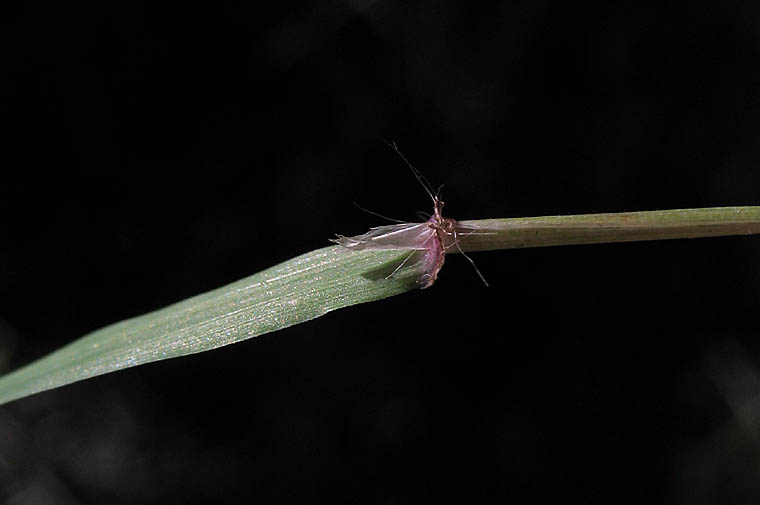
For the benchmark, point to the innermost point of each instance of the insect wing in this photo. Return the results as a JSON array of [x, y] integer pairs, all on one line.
[[409, 236]]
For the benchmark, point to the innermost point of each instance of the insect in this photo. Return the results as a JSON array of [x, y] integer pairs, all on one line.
[[433, 238]]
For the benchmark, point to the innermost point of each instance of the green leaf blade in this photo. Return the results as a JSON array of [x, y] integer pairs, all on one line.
[[290, 293]]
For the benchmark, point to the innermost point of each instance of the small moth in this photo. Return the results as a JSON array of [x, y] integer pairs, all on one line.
[[434, 237]]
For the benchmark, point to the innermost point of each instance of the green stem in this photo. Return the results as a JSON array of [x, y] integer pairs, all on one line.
[[511, 233]]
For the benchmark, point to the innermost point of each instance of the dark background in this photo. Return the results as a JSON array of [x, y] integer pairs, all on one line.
[[153, 152]]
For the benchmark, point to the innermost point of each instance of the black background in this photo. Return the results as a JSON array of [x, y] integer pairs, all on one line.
[[157, 151]]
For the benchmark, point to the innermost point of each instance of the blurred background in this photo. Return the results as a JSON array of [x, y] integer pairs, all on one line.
[[154, 151]]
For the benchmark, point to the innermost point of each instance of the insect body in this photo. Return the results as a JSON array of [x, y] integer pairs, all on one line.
[[433, 237]]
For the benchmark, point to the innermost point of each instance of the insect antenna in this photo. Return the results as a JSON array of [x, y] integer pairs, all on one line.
[[378, 214], [438, 191], [423, 180]]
